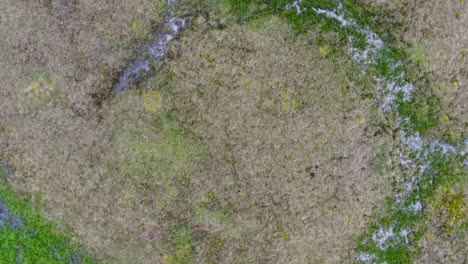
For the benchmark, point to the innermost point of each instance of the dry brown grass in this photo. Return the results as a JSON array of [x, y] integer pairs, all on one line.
[[290, 143], [54, 56], [81, 45], [260, 146]]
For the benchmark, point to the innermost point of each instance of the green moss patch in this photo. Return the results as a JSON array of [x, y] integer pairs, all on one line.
[[26, 237]]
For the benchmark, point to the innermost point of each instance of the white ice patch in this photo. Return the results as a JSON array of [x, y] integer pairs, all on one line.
[[155, 50], [296, 5], [416, 207], [391, 89], [404, 159], [373, 40], [404, 234], [175, 24], [413, 142], [381, 236], [423, 168], [331, 14], [465, 151], [409, 186], [374, 44], [443, 147], [334, 14], [365, 257]]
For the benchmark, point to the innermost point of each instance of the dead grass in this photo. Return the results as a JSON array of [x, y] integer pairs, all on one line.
[[255, 149], [445, 239], [290, 143], [81, 45], [55, 55]]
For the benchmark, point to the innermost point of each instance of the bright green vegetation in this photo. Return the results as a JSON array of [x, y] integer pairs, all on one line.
[[29, 238], [423, 112], [308, 20]]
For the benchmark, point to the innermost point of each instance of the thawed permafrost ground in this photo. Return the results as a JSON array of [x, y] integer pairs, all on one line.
[[251, 144]]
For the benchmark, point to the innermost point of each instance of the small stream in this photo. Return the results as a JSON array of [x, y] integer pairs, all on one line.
[[413, 150], [155, 50]]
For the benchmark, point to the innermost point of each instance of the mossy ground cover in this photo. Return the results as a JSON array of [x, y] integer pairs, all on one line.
[[438, 188], [423, 114], [26, 237]]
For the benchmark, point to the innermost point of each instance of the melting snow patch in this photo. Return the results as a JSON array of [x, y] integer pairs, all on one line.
[[156, 49], [404, 159], [296, 5], [414, 142], [392, 89], [409, 186], [416, 207], [465, 151], [367, 56], [334, 14], [404, 233], [382, 236], [365, 257], [373, 40], [444, 148]]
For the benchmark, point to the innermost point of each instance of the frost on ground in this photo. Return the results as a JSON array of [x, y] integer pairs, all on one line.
[[395, 90], [155, 50]]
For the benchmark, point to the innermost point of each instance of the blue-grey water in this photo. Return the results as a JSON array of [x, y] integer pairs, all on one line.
[[154, 51]]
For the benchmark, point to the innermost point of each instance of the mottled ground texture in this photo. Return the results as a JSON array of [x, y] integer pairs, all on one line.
[[291, 142], [250, 144], [79, 45], [435, 36]]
